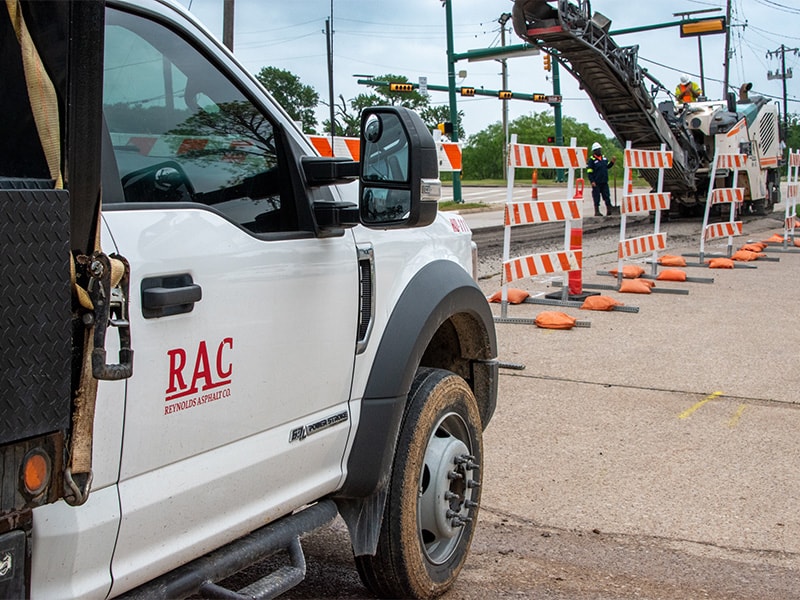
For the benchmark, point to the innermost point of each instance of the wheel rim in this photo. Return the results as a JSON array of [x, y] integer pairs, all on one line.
[[447, 489]]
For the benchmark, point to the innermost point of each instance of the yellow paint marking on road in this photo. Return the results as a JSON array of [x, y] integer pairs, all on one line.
[[689, 411], [734, 421]]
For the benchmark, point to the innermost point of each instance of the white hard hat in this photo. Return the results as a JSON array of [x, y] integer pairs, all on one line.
[[684, 79], [596, 146]]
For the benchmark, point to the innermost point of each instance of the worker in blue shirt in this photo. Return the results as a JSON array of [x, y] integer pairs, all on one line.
[[597, 170]]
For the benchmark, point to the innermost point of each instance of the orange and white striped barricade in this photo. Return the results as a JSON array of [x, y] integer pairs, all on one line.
[[449, 153], [733, 197], [791, 221], [532, 212], [343, 147], [633, 204]]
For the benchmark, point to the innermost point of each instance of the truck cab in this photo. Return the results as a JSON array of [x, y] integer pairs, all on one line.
[[291, 330]]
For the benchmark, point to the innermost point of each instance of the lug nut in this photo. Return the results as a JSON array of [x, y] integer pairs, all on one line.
[[454, 475]]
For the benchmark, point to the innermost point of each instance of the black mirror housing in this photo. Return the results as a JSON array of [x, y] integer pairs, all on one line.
[[399, 183], [324, 170]]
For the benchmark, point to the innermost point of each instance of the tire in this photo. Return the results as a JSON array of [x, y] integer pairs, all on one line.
[[434, 492]]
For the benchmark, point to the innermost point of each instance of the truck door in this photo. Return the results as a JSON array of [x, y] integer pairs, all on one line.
[[244, 322]]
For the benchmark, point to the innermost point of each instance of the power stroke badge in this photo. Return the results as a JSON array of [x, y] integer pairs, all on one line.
[[301, 433]]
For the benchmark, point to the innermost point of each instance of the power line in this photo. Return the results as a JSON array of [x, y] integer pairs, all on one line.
[[778, 6]]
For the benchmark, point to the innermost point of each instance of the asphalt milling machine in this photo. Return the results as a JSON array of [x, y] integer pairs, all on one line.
[[618, 87]]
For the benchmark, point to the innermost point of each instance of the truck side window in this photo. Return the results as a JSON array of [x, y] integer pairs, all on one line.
[[182, 132]]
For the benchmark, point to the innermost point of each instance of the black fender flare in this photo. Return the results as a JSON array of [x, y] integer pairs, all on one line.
[[438, 291]]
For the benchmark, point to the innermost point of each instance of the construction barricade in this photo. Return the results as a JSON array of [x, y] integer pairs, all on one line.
[[449, 153], [533, 212], [650, 203], [644, 203], [732, 197], [791, 221], [343, 147]]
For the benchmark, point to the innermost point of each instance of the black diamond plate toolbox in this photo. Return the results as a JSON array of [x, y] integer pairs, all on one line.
[[35, 318]]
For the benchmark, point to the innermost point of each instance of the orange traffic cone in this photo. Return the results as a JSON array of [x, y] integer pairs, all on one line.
[[535, 185]]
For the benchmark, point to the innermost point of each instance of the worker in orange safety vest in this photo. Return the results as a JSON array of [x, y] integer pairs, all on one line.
[[687, 90]]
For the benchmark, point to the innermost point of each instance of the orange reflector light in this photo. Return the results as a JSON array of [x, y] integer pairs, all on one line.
[[36, 472]]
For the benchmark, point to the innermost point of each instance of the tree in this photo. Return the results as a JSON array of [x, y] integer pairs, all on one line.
[[433, 115], [793, 133], [298, 99], [412, 99], [483, 154], [348, 114]]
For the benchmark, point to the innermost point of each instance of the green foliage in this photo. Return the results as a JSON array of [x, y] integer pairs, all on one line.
[[412, 99], [433, 115], [297, 99], [483, 153], [347, 116], [793, 133], [347, 112]]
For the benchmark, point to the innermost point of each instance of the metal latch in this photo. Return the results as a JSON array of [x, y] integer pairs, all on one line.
[[110, 309]]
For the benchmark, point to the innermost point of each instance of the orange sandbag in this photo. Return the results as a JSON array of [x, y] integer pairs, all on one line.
[[672, 275], [551, 319], [797, 243], [774, 239], [720, 263], [515, 296], [600, 303], [629, 271], [671, 260], [636, 286], [746, 255], [754, 247]]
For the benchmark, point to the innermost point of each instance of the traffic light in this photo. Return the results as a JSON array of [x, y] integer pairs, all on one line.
[[401, 87], [467, 91], [551, 139], [547, 64], [504, 94], [446, 128]]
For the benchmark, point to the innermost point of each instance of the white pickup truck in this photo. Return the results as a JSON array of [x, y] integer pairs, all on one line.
[[306, 344]]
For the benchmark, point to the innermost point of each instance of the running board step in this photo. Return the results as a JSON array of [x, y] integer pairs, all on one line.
[[282, 535], [273, 585]]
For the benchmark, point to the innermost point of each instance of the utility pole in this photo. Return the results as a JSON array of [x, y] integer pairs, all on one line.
[[504, 18], [227, 24], [329, 40], [784, 75], [727, 49], [451, 80]]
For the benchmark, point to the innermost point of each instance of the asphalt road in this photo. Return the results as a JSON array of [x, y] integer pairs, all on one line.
[[650, 455]]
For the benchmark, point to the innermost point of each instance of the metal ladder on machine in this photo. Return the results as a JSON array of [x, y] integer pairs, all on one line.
[[615, 83]]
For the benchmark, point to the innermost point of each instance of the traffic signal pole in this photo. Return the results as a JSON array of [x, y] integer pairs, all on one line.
[[557, 113], [451, 80]]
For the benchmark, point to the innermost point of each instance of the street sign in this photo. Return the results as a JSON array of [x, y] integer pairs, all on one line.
[[548, 98]]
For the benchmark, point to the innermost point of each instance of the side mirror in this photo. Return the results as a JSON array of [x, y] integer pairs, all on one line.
[[399, 182]]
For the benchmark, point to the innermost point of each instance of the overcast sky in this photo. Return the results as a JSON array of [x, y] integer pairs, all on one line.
[[408, 37]]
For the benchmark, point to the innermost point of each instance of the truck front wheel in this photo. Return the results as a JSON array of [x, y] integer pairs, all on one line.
[[434, 492]]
